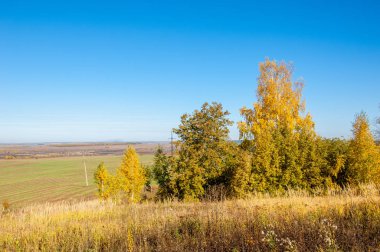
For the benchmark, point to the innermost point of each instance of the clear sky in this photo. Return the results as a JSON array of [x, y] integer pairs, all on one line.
[[126, 70]]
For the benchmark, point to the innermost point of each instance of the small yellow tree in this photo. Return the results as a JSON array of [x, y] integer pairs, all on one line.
[[363, 154], [131, 175], [101, 176]]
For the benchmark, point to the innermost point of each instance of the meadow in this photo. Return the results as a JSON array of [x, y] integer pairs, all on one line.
[[347, 220], [25, 181], [282, 188]]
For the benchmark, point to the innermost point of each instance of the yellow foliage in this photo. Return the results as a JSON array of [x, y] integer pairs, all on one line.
[[101, 176], [208, 226], [363, 156], [282, 137], [131, 175], [130, 240], [278, 102]]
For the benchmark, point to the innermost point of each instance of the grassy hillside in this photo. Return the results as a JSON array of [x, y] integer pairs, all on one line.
[[25, 181], [344, 222]]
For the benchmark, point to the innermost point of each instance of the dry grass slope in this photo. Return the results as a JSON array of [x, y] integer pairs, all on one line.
[[341, 221]]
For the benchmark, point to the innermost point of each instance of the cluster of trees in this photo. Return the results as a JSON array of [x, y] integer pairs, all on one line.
[[278, 150], [128, 181]]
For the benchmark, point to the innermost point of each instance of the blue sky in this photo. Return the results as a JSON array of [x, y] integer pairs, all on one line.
[[127, 70]]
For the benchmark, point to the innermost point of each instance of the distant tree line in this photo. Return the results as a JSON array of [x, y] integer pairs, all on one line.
[[279, 150]]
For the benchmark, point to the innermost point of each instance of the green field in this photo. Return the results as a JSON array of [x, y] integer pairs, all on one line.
[[25, 181]]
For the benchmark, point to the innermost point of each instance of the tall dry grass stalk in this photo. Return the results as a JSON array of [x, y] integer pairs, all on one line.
[[345, 220]]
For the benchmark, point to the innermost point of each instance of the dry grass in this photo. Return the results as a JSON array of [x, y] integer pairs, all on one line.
[[342, 221]]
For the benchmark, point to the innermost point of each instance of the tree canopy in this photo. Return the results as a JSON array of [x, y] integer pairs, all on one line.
[[279, 136], [363, 154], [279, 150], [131, 174]]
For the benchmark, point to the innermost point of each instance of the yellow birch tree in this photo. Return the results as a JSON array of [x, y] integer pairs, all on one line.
[[280, 138], [363, 154], [101, 176], [131, 175]]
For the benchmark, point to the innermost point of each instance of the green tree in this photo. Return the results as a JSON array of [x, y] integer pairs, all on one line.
[[334, 152], [190, 179], [202, 147], [363, 154], [131, 175], [101, 176], [165, 175], [238, 176], [281, 140], [148, 173]]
